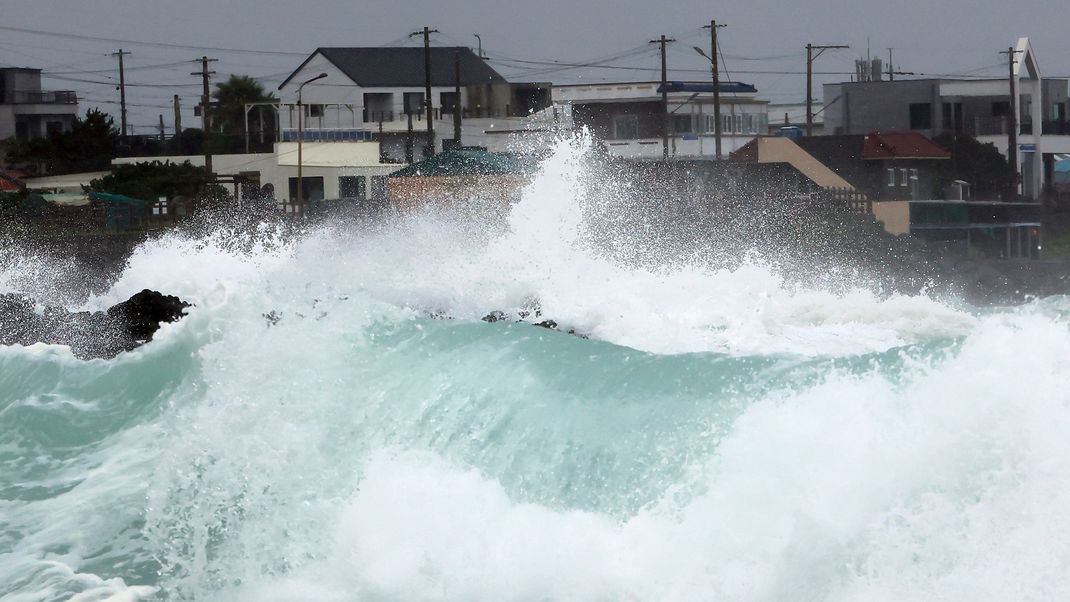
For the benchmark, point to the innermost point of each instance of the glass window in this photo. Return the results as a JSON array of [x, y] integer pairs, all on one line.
[[921, 116], [447, 100], [891, 177], [681, 124], [625, 127], [903, 176], [352, 187], [414, 102], [312, 188]]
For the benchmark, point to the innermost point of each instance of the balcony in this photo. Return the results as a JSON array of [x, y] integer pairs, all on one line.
[[63, 97]]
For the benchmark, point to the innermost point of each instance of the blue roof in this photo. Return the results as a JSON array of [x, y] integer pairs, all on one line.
[[726, 87]]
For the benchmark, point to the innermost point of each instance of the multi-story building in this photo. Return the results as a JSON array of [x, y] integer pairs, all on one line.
[[379, 93], [976, 107], [630, 118], [28, 112]]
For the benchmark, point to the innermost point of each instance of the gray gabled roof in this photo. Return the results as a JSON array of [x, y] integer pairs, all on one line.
[[379, 67]]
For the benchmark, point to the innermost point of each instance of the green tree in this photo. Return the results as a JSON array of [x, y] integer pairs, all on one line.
[[90, 146], [982, 165], [150, 180], [229, 117]]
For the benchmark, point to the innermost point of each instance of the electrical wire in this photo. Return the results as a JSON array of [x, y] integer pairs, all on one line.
[[150, 44]]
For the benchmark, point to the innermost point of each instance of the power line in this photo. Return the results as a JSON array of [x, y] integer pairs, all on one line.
[[135, 68], [152, 44]]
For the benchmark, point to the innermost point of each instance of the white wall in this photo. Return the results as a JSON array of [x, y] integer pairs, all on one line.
[[338, 88], [277, 168], [651, 148]]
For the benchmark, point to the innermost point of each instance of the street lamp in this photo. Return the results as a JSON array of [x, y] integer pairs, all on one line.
[[716, 95], [300, 138]]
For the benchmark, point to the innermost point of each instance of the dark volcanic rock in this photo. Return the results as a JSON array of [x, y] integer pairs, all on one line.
[[89, 334]]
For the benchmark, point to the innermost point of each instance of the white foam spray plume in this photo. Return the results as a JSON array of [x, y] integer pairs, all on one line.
[[334, 421]]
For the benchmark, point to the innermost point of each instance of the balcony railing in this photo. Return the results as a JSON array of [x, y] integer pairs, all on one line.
[[64, 97], [371, 116]]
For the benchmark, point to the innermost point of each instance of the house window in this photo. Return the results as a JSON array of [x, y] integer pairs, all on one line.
[[626, 127], [921, 116], [448, 101], [1001, 108], [352, 187], [904, 177], [952, 114], [891, 177], [312, 188], [315, 110], [54, 127], [414, 102], [378, 106], [681, 124]]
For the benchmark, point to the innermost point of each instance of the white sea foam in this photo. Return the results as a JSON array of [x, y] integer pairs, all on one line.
[[354, 450], [951, 486]]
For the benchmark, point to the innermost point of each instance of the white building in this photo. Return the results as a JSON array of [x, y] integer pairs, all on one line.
[[27, 112], [379, 93], [330, 170], [629, 116]]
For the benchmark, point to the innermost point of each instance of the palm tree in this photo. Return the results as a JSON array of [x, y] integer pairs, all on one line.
[[229, 116]]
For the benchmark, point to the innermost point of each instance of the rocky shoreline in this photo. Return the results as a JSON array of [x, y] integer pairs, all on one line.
[[104, 334]]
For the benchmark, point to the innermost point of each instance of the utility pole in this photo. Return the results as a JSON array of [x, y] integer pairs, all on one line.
[[810, 57], [1012, 120], [409, 140], [662, 41], [178, 118], [206, 119], [162, 137], [891, 71], [122, 90], [427, 89], [457, 99], [716, 88]]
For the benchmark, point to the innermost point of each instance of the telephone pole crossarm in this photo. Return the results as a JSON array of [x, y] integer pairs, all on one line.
[[810, 58]]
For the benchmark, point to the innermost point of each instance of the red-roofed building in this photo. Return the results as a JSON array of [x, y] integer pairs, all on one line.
[[901, 145], [886, 166], [11, 180]]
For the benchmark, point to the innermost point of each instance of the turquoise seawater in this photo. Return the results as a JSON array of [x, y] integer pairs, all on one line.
[[720, 435]]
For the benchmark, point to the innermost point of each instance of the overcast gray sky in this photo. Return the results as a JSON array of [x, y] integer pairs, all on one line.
[[929, 36]]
